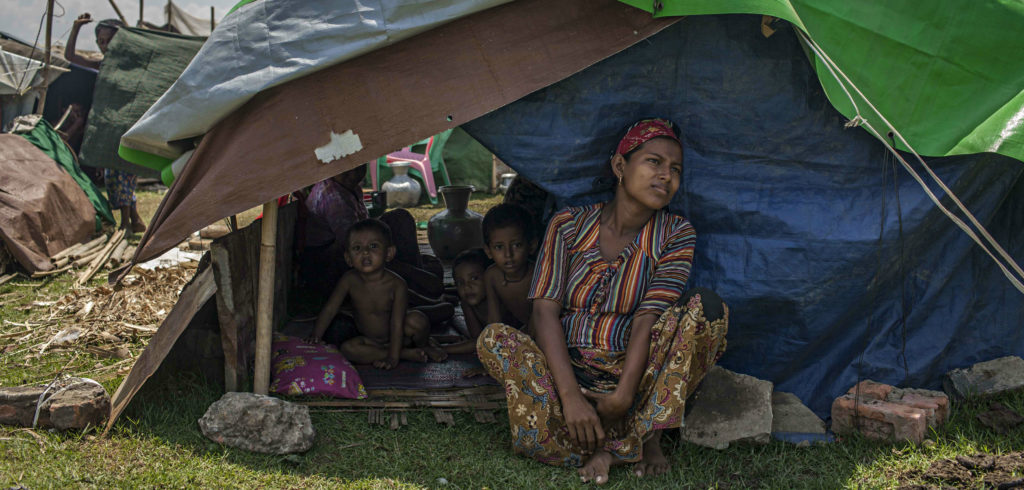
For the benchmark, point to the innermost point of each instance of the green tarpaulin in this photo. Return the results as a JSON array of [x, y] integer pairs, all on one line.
[[46, 139], [949, 76], [137, 69]]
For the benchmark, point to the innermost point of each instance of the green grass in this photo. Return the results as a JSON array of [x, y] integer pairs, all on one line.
[[157, 442]]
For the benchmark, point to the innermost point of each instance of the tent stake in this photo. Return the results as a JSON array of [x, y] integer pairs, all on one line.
[[265, 297]]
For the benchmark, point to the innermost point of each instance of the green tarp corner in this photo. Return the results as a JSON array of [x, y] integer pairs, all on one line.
[[140, 65], [44, 137], [469, 163], [948, 76]]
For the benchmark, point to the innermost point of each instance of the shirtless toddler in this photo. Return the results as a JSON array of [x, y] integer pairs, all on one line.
[[388, 330]]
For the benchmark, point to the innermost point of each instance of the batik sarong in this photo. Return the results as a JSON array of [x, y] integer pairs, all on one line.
[[684, 346]]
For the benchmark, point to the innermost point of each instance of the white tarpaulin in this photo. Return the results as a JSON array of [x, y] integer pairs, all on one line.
[[19, 74], [266, 43], [186, 23]]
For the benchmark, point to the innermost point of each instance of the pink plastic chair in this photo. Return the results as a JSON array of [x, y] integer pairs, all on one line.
[[419, 162]]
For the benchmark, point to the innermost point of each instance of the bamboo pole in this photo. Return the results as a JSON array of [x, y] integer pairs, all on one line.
[[75, 249], [213, 23], [265, 297], [46, 55], [118, 11], [141, 4]]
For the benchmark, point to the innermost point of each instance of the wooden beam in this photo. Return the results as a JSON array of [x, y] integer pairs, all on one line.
[[46, 55], [265, 298], [118, 12], [192, 298]]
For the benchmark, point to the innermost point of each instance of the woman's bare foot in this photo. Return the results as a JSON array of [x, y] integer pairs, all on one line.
[[654, 462], [596, 468], [138, 227], [414, 354]]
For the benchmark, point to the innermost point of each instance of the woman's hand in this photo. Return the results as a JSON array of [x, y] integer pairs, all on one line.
[[583, 423], [611, 407]]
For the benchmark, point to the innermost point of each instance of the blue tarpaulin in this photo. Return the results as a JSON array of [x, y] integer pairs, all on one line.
[[835, 264]]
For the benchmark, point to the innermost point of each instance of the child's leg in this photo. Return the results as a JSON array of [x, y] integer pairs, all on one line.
[[363, 350], [437, 313], [417, 330]]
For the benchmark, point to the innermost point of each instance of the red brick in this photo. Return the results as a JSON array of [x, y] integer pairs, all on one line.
[[935, 404], [871, 390], [877, 419]]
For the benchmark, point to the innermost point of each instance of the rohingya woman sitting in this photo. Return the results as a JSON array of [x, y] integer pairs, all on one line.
[[619, 347]]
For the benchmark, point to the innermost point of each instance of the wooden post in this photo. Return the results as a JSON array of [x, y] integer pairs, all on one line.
[[141, 4], [265, 298], [213, 23], [118, 11], [46, 55]]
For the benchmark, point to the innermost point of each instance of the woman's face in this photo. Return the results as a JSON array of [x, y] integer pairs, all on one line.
[[652, 174]]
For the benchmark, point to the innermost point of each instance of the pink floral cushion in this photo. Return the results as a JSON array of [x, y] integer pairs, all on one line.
[[300, 368]]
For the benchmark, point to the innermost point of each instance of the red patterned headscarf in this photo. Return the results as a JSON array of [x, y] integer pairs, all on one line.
[[643, 131]]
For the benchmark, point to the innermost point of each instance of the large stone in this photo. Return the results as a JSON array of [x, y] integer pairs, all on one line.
[[789, 414], [729, 407], [74, 403], [985, 378], [258, 423]]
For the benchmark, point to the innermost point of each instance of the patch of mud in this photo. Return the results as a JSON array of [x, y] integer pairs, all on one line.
[[978, 471]]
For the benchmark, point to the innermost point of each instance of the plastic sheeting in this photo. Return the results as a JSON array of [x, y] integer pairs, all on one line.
[[835, 265], [139, 66], [948, 75], [266, 43]]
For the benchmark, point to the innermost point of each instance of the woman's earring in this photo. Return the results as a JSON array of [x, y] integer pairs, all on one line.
[[620, 180]]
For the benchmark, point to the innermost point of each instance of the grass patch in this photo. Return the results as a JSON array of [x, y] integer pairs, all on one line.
[[157, 441]]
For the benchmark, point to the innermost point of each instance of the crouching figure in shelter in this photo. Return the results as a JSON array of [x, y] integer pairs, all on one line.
[[619, 347], [388, 329]]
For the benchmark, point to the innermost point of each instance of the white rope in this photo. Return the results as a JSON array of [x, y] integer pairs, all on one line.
[[859, 120]]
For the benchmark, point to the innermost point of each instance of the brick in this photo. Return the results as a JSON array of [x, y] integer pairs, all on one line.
[[934, 403], [878, 419], [75, 405], [871, 390]]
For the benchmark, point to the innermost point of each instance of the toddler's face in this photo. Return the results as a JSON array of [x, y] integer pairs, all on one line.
[[508, 249], [469, 282], [366, 251]]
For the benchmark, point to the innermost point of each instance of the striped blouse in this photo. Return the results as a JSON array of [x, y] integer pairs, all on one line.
[[600, 298]]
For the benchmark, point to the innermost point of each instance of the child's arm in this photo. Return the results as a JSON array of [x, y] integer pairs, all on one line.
[[397, 325], [330, 309], [493, 301], [473, 325]]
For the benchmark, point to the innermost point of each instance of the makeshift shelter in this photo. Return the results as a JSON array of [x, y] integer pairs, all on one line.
[[23, 78], [835, 264], [42, 209]]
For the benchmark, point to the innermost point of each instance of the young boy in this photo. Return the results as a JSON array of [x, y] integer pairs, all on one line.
[[388, 330], [509, 241], [468, 271]]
